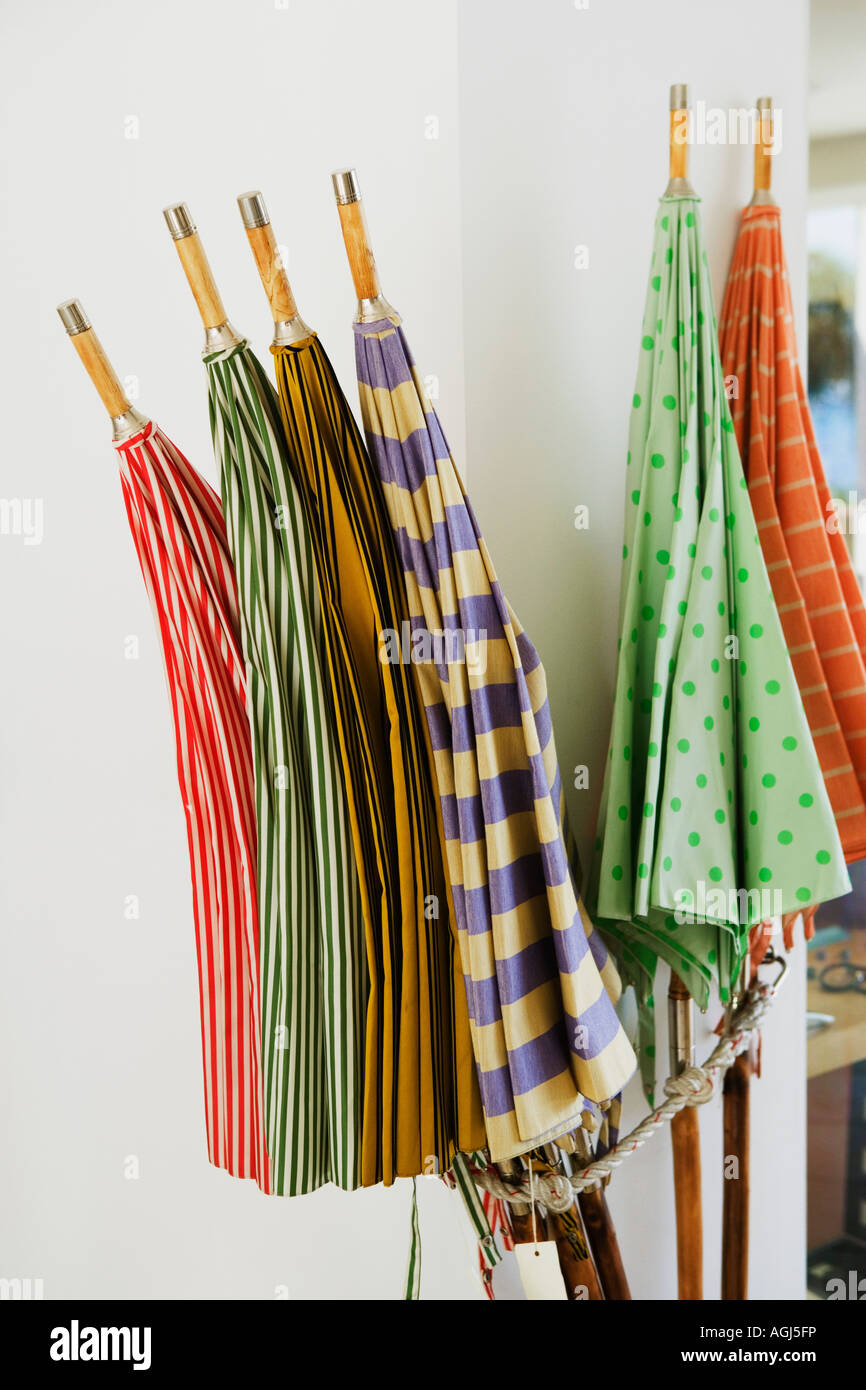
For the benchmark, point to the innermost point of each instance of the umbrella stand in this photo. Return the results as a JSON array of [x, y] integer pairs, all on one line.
[[600, 1229], [686, 1144]]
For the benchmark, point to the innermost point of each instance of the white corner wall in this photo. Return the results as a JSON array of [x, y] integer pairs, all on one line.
[[563, 121], [98, 1014]]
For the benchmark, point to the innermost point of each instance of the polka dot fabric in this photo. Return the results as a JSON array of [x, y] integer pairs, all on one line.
[[713, 797]]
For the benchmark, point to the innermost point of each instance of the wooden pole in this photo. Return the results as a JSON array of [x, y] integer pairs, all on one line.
[[735, 1199], [679, 132], [763, 145], [272, 272], [195, 265], [600, 1230], [575, 1257], [356, 236], [686, 1143], [93, 358]]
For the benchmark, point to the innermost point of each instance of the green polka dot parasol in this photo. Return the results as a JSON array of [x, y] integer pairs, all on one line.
[[714, 814]]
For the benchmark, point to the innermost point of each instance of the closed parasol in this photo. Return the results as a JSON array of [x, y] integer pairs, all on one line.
[[428, 1097], [545, 1034], [817, 595], [314, 976], [180, 538], [714, 814]]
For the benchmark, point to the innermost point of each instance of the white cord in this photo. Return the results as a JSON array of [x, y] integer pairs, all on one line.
[[695, 1086]]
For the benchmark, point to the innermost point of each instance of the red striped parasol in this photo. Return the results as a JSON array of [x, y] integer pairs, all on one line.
[[179, 534]]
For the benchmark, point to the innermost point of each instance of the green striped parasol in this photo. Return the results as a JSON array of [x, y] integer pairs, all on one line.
[[313, 963]]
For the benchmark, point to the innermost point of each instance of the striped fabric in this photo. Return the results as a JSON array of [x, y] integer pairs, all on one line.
[[545, 1032], [818, 597], [413, 1263], [421, 1093], [180, 538], [486, 1214], [313, 966]]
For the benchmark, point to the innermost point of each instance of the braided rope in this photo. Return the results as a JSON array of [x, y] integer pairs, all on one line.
[[694, 1086]]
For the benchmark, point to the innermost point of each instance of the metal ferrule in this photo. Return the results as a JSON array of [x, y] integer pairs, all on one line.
[[221, 339], [512, 1172], [370, 310], [291, 331], [764, 104], [347, 188], [126, 425], [73, 317], [680, 1038], [179, 221], [679, 96], [254, 212], [679, 188], [762, 198], [582, 1147]]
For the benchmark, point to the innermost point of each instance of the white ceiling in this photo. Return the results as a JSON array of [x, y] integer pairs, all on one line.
[[837, 67]]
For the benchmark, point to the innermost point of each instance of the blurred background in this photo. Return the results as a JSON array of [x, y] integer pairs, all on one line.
[[836, 235]]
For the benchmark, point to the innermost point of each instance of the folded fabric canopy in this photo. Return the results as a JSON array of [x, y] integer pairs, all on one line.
[[179, 533], [714, 813], [427, 1092], [545, 1033], [313, 961], [818, 597]]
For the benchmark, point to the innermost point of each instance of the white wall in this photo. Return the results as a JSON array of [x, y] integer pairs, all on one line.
[[98, 1015], [564, 138]]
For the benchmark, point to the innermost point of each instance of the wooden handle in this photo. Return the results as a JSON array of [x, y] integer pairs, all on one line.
[[101, 372], [605, 1246], [575, 1259], [679, 143], [735, 1202], [676, 988], [201, 281], [685, 1137], [272, 273], [522, 1227], [763, 151], [357, 239], [686, 1141]]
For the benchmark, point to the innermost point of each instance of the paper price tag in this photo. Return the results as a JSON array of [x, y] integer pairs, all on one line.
[[539, 1270]]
